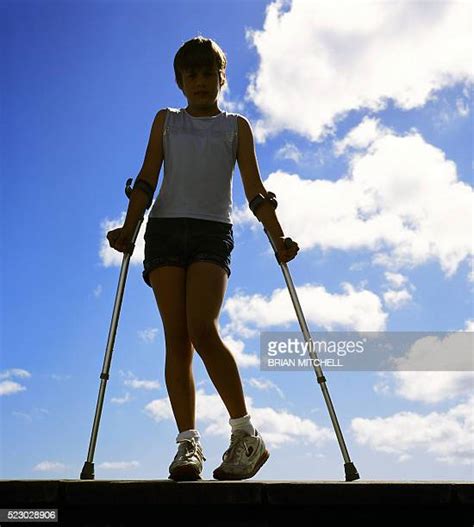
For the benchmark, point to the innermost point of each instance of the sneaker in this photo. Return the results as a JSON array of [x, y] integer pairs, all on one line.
[[244, 458], [187, 464]]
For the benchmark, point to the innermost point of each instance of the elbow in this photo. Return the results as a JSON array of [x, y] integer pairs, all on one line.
[[252, 194]]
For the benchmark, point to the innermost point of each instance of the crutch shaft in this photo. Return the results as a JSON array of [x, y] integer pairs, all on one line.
[[351, 472], [88, 469], [104, 376]]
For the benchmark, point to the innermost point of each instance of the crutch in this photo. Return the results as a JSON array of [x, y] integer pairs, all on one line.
[[88, 468], [350, 469]]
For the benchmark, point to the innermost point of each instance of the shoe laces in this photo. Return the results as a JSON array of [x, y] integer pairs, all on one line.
[[188, 448], [237, 446]]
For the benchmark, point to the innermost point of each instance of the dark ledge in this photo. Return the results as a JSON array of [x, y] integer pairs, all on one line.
[[243, 503]]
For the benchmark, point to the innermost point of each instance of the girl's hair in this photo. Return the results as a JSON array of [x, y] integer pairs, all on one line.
[[199, 52]]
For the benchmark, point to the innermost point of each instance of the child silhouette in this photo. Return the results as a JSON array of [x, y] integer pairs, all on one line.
[[188, 243]]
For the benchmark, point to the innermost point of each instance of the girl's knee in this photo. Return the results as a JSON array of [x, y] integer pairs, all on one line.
[[204, 336], [179, 347]]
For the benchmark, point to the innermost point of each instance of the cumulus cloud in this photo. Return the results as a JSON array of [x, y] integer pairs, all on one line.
[[395, 279], [139, 384], [396, 299], [447, 436], [351, 309], [8, 387], [279, 427], [394, 202], [430, 387], [110, 257], [15, 372], [350, 55], [289, 151]]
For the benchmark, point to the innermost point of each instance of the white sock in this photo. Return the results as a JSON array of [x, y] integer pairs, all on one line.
[[188, 434], [242, 423]]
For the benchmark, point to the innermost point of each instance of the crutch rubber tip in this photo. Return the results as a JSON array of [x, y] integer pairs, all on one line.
[[87, 470], [351, 472]]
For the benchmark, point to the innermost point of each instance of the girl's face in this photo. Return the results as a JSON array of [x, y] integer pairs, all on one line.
[[201, 86]]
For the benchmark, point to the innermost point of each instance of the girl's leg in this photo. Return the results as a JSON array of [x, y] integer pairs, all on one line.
[[169, 286], [205, 289]]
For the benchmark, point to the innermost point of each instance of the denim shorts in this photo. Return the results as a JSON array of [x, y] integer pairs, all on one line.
[[181, 241]]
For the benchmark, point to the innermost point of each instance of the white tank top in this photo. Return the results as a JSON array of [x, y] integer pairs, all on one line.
[[199, 160]]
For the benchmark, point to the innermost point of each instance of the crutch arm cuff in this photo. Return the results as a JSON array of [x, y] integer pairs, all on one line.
[[256, 201], [144, 186]]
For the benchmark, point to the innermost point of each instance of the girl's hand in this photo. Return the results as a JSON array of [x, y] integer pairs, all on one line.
[[120, 240], [287, 249]]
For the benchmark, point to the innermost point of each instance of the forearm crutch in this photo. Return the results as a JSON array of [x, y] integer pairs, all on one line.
[[88, 469], [349, 468]]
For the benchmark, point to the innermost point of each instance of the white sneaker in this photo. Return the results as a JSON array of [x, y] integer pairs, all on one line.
[[187, 463], [244, 458]]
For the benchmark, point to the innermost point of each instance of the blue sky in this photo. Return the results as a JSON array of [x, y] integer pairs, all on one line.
[[362, 114]]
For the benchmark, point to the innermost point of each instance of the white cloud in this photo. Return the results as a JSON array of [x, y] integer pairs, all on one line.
[[428, 387], [397, 299], [433, 386], [10, 387], [264, 384], [470, 275], [400, 296], [462, 107], [278, 427], [138, 384], [49, 466], [362, 136], [352, 54], [110, 257], [451, 353], [439, 353], [119, 465], [121, 400], [236, 347], [15, 372], [395, 279], [226, 103], [289, 151], [142, 384], [394, 202], [352, 309], [447, 436]]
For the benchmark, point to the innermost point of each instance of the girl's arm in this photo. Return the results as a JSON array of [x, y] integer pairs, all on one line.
[[149, 173], [247, 161]]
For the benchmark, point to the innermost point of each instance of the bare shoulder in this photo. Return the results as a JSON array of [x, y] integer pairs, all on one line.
[[245, 135], [243, 123], [160, 116], [158, 125], [154, 154]]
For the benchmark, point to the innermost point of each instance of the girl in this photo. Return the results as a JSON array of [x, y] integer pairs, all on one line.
[[188, 242]]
